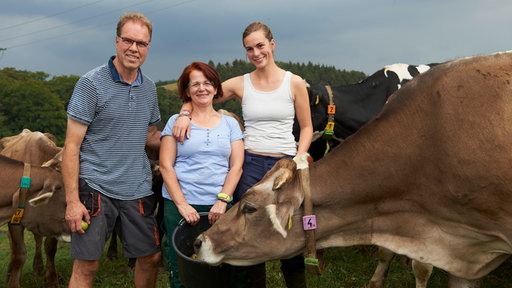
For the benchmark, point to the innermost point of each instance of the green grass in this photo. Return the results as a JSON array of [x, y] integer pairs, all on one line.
[[346, 267]]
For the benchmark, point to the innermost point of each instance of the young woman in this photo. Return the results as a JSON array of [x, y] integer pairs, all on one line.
[[271, 97]]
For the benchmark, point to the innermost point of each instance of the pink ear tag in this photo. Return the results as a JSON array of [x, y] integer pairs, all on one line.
[[309, 222]]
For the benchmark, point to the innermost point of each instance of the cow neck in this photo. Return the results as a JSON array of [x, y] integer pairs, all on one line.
[[328, 133], [331, 109], [22, 195], [309, 223]]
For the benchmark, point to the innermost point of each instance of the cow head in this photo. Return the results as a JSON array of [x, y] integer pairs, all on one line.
[[268, 216], [45, 213]]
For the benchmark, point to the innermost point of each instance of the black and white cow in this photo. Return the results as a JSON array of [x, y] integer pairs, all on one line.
[[356, 104]]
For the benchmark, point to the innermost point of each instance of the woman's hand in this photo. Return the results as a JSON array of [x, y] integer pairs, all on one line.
[[189, 214], [181, 129], [218, 209]]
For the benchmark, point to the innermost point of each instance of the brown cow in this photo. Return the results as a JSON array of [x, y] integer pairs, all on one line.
[[34, 148], [46, 187], [440, 195], [356, 104]]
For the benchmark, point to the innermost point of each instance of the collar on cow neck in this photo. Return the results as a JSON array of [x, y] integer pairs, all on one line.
[[309, 219], [22, 195], [328, 133]]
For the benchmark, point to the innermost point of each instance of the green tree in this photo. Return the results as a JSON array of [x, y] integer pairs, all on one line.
[[169, 103], [27, 102], [35, 101], [63, 86]]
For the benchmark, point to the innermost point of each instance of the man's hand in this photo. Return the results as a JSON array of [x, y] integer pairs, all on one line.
[[75, 213]]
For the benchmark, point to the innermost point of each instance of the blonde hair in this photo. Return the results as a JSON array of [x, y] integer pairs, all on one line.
[[136, 17]]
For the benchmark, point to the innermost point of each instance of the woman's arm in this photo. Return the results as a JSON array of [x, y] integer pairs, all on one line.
[[303, 113], [167, 158], [181, 127], [233, 89]]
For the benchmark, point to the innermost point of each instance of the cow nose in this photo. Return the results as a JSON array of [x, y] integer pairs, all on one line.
[[197, 244]]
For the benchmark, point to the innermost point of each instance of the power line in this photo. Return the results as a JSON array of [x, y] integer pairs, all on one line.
[[66, 24], [76, 31], [2, 50], [48, 16]]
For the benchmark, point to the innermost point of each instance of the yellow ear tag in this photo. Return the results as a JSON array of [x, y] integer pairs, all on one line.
[[317, 100], [289, 221]]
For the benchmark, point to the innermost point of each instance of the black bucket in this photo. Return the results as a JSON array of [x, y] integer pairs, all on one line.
[[194, 273]]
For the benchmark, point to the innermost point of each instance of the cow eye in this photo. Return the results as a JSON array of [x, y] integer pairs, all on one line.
[[249, 208]]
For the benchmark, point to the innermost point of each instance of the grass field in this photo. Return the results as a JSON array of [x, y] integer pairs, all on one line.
[[345, 268]]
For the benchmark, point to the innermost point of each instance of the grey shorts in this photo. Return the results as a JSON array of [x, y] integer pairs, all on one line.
[[137, 230]]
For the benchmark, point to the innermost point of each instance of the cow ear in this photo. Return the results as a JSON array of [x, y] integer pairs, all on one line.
[[281, 179], [55, 162], [289, 200], [41, 199], [285, 172]]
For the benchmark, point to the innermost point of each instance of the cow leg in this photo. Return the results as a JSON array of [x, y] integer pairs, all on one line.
[[381, 272], [50, 276], [456, 282], [17, 257], [37, 264], [422, 272]]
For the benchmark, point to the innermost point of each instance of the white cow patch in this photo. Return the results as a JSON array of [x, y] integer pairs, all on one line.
[[206, 253], [271, 210], [402, 71], [422, 68]]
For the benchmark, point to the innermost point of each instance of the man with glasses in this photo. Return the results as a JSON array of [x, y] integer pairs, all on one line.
[[111, 116]]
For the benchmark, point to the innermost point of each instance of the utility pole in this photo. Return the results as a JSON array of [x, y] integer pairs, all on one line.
[[2, 50]]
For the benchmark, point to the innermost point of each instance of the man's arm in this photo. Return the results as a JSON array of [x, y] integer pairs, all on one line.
[[153, 143], [75, 210]]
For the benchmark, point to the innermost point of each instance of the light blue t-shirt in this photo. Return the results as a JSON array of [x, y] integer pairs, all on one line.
[[202, 161]]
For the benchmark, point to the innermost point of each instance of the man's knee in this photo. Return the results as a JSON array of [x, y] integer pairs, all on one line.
[[149, 261], [83, 273], [86, 266]]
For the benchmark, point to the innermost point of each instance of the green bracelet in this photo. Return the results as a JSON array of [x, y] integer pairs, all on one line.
[[224, 197]]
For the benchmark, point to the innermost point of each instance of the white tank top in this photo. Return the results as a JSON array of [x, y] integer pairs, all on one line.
[[268, 118]]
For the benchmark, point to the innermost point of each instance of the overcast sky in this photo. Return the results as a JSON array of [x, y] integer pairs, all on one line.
[[63, 37]]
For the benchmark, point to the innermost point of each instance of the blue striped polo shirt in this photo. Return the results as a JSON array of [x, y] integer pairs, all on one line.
[[112, 156]]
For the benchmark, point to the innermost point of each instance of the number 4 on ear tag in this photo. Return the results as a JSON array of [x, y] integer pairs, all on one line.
[[309, 222]]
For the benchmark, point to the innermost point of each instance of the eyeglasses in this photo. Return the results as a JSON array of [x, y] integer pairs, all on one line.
[[129, 42], [206, 84]]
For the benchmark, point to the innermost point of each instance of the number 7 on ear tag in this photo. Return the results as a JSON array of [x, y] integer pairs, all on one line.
[[309, 222]]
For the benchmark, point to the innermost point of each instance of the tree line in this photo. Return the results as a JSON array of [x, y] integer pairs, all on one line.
[[38, 102]]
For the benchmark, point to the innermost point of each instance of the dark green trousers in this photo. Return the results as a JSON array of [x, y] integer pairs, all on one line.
[[171, 220]]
